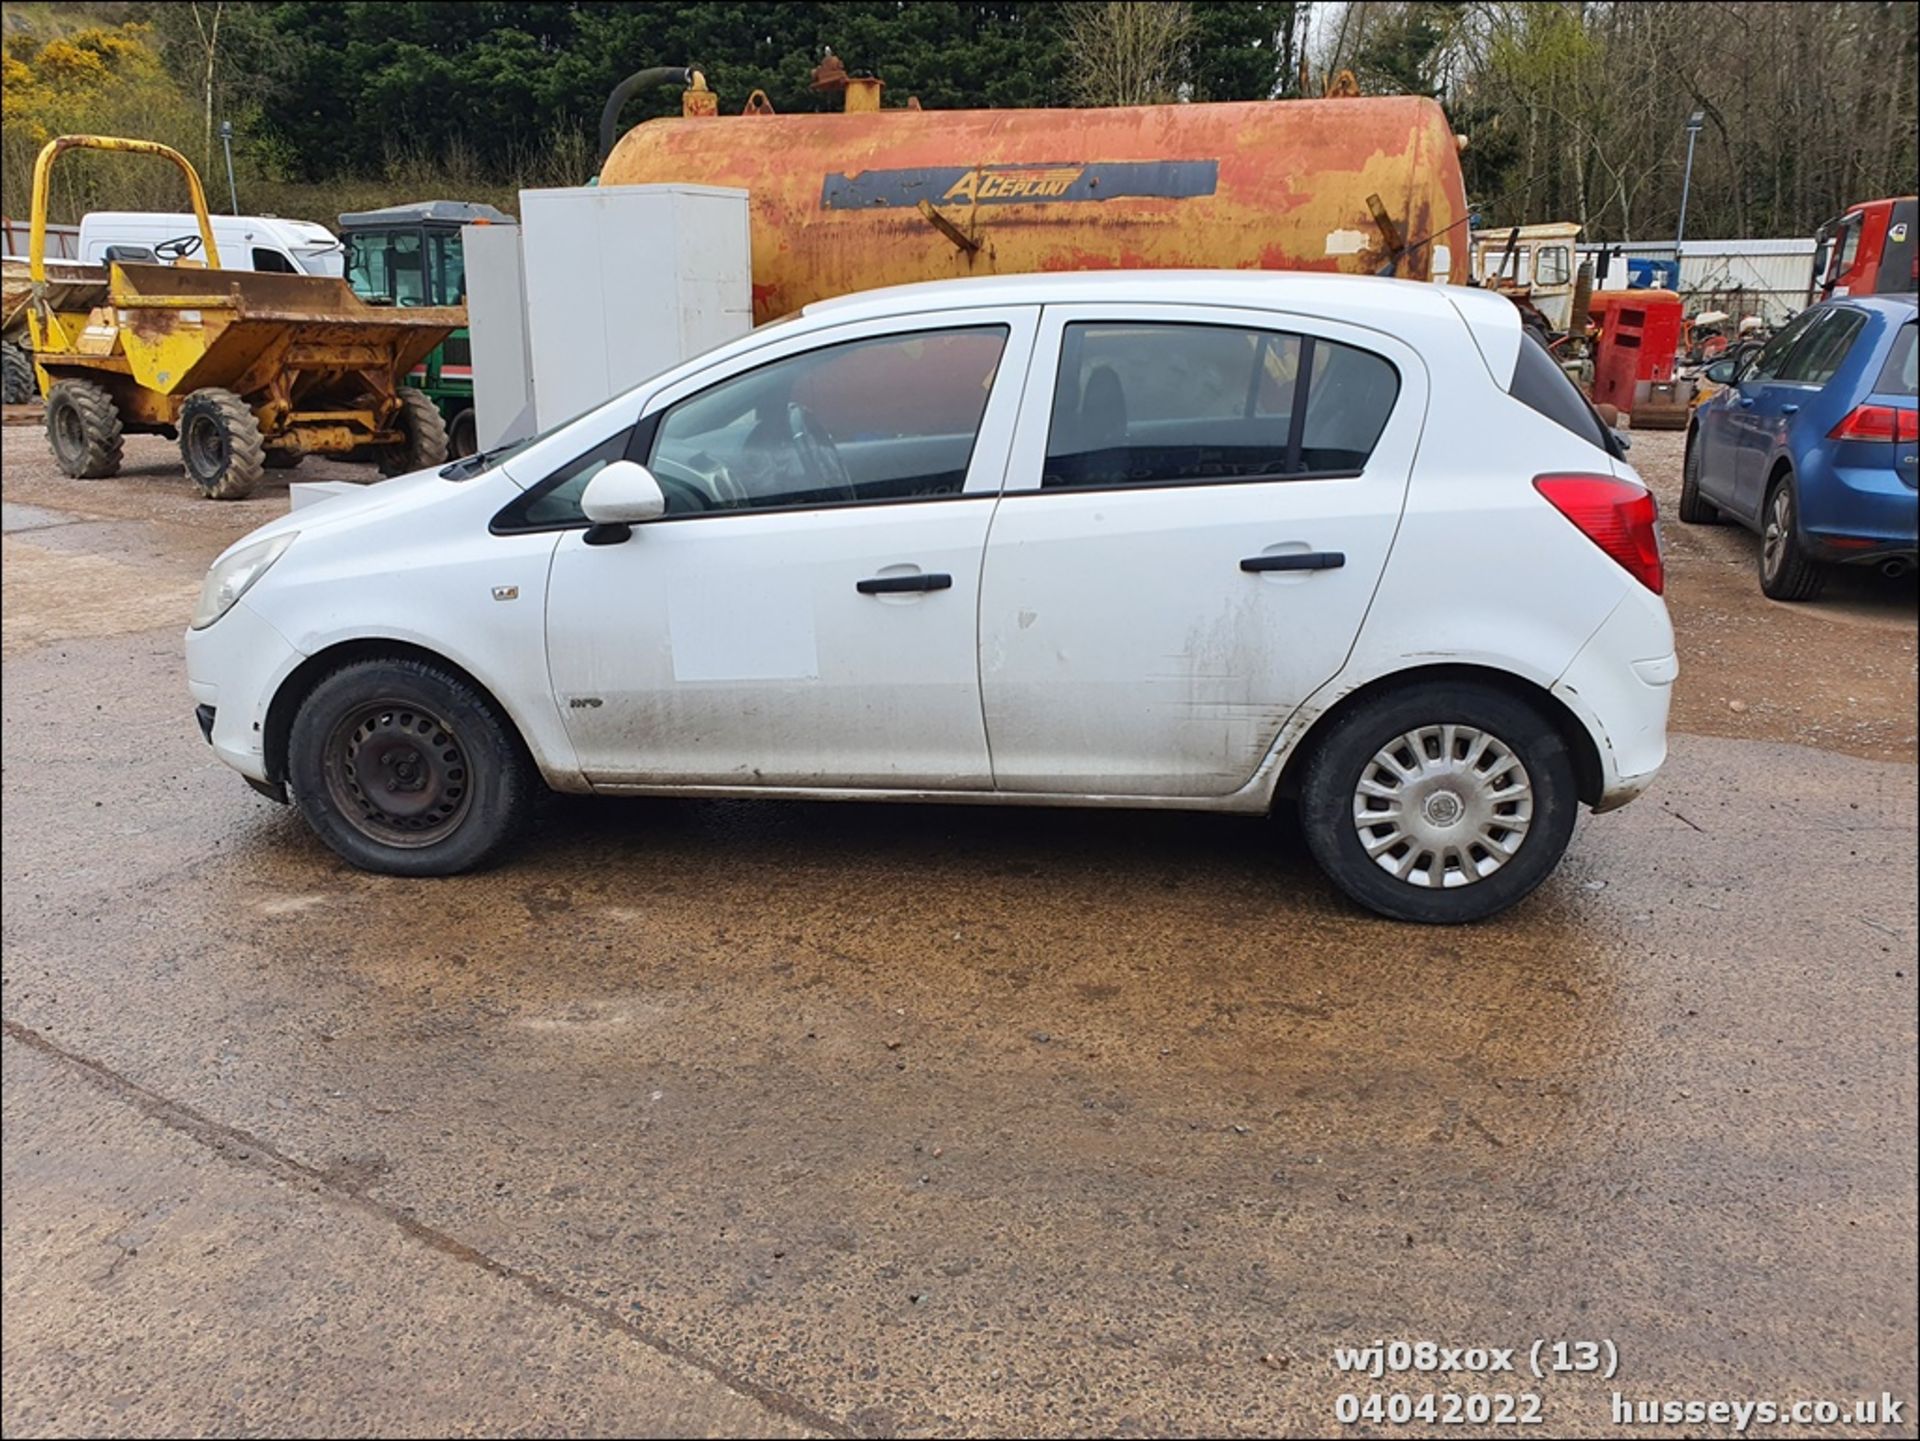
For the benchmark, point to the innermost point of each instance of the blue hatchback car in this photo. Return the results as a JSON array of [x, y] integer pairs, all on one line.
[[1813, 444]]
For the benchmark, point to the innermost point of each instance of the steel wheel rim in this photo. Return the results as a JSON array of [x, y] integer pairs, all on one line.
[[1773, 540], [206, 445], [398, 774], [70, 435], [1443, 806]]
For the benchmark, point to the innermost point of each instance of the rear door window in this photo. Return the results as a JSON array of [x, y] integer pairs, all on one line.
[[1819, 356], [1156, 403]]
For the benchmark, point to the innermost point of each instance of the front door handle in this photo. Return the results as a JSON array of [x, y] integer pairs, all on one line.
[[1746, 402], [1299, 560], [894, 584]]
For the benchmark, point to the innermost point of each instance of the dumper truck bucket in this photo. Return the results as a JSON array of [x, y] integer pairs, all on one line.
[[308, 337]]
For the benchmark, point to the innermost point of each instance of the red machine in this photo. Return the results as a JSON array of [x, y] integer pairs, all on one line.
[[1868, 251], [1633, 363]]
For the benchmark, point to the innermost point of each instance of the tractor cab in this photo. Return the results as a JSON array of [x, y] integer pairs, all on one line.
[[410, 255]]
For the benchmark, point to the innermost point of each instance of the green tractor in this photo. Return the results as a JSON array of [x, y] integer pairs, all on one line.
[[410, 255]]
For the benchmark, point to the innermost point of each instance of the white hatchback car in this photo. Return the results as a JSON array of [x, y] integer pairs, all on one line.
[[1188, 539]]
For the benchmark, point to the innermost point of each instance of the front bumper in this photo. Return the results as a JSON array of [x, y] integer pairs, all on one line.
[[234, 667]]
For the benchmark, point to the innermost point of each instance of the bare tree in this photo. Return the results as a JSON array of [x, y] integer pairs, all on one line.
[[209, 33], [1126, 52]]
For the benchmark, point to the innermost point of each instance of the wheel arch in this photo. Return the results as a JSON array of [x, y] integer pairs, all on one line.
[[300, 681], [1589, 775]]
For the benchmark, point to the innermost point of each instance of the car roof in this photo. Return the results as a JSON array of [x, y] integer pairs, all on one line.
[[1898, 305], [1257, 289]]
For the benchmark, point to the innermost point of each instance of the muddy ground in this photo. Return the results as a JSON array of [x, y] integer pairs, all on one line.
[[724, 1118]]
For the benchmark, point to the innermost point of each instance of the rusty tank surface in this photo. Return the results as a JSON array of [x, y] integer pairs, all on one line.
[[869, 197]]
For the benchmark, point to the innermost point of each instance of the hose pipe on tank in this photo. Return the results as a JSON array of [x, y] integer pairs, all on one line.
[[640, 79]]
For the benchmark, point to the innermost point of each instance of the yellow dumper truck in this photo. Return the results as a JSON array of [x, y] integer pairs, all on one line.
[[245, 369]]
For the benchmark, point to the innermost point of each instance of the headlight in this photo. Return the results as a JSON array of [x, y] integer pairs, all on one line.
[[231, 575]]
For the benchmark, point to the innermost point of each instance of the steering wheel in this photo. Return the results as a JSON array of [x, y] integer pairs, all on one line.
[[178, 248], [697, 483], [818, 454]]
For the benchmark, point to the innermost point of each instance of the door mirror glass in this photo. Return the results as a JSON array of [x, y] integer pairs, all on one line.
[[623, 493], [1721, 371]]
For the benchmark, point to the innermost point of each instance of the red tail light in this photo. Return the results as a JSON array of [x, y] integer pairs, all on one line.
[[1616, 515], [1889, 423]]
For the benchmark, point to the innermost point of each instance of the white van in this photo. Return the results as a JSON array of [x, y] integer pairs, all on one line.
[[247, 242]]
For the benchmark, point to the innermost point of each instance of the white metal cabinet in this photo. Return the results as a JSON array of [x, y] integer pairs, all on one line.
[[734, 648], [1123, 649]]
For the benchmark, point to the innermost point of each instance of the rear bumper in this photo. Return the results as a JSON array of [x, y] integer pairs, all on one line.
[[1620, 687], [1859, 514]]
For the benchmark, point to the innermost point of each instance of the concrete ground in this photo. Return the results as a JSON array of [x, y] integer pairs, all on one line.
[[705, 1118]]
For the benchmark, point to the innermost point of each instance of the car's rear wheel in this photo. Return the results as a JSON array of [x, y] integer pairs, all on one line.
[[403, 767], [1695, 509], [1787, 572], [1442, 804]]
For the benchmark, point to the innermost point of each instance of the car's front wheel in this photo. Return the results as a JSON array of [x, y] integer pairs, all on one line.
[[1443, 803], [1695, 509], [403, 767]]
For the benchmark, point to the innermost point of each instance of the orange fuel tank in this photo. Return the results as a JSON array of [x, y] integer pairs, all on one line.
[[849, 201]]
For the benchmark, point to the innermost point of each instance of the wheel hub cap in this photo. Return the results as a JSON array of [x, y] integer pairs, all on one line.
[[1443, 806]]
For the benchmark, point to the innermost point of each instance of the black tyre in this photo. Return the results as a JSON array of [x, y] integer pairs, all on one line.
[[402, 767], [1787, 572], [284, 459], [426, 444], [17, 385], [463, 436], [1442, 804], [1694, 510], [83, 426], [220, 443]]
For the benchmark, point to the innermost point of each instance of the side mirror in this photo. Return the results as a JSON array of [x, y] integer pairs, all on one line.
[[1721, 371], [621, 495]]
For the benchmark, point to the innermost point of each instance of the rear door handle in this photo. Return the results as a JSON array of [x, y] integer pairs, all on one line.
[[1299, 560], [1746, 402], [894, 584], [1789, 410]]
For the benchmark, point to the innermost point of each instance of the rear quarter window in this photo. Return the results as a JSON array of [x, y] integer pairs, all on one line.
[[1540, 384], [1897, 376]]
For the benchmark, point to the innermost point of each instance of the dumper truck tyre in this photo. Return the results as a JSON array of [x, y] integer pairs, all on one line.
[[402, 766], [426, 432], [1694, 509], [220, 442], [18, 374], [83, 426]]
